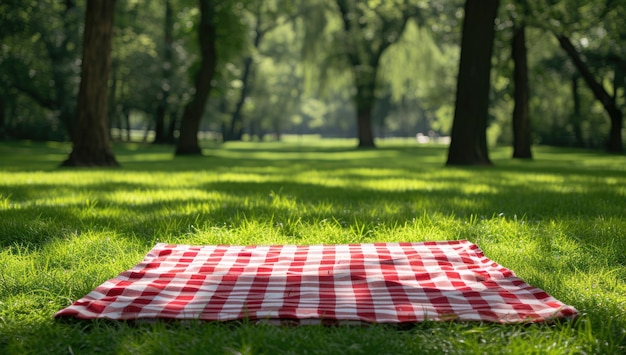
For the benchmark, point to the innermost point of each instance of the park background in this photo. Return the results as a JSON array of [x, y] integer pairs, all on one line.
[[318, 67], [282, 154]]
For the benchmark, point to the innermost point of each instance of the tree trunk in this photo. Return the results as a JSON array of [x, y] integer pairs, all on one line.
[[127, 123], [2, 116], [576, 116], [364, 124], [364, 57], [146, 132], [615, 136], [521, 119], [91, 145], [161, 135], [234, 131], [111, 106], [190, 122], [469, 128], [365, 98], [171, 129]]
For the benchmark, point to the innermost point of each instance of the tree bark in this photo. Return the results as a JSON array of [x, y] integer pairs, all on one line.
[[365, 98], [576, 115], [192, 115], [615, 136], [521, 119], [161, 133], [91, 145], [469, 128]]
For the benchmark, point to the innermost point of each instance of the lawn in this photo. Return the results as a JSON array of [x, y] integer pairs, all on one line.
[[558, 221]]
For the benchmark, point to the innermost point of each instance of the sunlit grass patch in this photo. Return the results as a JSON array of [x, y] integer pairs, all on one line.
[[557, 221]]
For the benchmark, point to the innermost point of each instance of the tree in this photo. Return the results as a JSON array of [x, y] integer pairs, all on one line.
[[41, 46], [162, 134], [350, 47], [233, 131], [598, 27], [264, 17], [369, 29], [155, 46], [192, 115], [615, 136], [91, 146], [276, 103], [424, 100], [469, 128], [521, 120]]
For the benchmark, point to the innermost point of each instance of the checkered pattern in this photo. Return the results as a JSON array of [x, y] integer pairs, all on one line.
[[378, 282]]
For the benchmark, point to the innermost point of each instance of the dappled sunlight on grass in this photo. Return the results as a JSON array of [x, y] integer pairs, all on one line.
[[557, 221], [51, 276]]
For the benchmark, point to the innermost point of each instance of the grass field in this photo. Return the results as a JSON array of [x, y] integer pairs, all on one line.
[[558, 221]]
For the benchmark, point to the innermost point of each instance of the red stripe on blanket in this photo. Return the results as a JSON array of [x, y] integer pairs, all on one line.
[[372, 282]]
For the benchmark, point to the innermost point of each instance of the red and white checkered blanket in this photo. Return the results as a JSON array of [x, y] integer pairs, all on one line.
[[378, 282]]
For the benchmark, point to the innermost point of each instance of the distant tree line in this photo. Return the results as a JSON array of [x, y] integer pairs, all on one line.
[[485, 72]]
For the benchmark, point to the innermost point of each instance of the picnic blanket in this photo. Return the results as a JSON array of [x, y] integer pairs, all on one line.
[[373, 283]]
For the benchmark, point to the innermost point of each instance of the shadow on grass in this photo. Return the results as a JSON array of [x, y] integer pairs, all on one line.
[[243, 336], [234, 203], [558, 186], [290, 189]]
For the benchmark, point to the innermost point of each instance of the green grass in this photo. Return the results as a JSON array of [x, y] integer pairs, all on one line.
[[558, 222]]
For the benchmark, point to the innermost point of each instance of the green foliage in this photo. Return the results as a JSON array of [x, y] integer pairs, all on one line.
[[430, 87], [267, 80], [39, 66], [556, 221], [418, 59], [595, 27], [139, 65], [301, 63]]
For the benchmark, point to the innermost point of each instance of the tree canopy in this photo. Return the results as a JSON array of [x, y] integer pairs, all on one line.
[[363, 69]]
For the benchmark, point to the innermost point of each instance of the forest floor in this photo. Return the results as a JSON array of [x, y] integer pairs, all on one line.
[[558, 221]]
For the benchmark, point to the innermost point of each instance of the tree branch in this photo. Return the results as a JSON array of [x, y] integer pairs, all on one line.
[[43, 101], [598, 90]]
